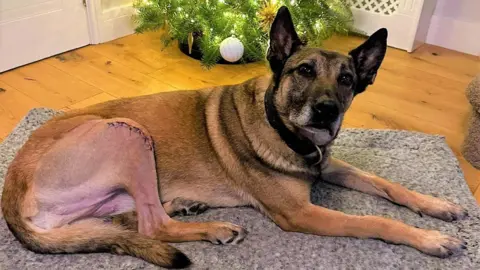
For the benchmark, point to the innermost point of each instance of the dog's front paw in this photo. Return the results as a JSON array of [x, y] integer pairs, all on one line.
[[441, 209], [440, 245], [223, 233]]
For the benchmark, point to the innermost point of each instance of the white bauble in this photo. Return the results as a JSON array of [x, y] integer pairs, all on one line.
[[231, 49]]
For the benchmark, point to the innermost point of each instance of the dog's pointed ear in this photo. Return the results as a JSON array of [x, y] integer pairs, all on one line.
[[368, 57], [284, 40]]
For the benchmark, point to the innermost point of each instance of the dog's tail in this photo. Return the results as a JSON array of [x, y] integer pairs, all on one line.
[[86, 236]]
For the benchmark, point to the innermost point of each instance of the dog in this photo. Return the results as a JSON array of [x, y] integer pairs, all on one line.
[[262, 143]]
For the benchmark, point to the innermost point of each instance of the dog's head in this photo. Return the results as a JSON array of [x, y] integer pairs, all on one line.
[[313, 88]]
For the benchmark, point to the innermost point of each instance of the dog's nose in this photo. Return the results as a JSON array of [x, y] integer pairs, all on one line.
[[327, 110]]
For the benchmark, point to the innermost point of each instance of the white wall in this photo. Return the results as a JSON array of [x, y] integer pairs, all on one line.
[[456, 25]]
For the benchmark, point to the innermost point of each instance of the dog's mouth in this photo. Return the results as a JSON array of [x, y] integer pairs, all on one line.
[[320, 127], [322, 132], [318, 135]]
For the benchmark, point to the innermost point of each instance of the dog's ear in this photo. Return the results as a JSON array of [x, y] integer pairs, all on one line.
[[368, 57], [284, 40]]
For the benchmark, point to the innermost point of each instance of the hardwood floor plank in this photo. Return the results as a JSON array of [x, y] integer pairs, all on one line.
[[14, 105], [477, 195], [460, 62], [103, 97], [48, 86], [144, 60], [365, 114], [442, 116], [450, 64], [189, 74], [107, 75]]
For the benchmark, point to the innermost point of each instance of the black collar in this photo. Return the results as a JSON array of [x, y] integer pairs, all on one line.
[[304, 147]]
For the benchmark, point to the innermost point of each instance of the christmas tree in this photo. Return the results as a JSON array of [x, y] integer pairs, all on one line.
[[204, 24]]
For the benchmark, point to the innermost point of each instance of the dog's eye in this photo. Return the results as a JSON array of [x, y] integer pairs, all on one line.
[[345, 79], [306, 70]]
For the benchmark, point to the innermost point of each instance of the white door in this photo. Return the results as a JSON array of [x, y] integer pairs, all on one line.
[[110, 19], [31, 30]]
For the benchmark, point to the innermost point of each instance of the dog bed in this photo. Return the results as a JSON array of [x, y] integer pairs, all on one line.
[[471, 144], [420, 162]]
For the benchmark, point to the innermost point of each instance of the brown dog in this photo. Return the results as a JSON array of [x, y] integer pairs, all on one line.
[[261, 143]]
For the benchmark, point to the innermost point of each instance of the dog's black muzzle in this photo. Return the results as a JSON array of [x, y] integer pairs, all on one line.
[[325, 113]]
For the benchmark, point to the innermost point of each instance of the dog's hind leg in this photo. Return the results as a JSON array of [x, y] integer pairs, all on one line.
[[85, 169], [343, 174], [59, 184], [177, 206], [132, 159]]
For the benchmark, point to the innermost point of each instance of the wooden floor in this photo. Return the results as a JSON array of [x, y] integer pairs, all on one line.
[[422, 91]]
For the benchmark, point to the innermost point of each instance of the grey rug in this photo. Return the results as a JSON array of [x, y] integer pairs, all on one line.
[[420, 162]]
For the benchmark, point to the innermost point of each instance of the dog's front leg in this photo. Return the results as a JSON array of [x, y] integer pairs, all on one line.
[[343, 174], [321, 221]]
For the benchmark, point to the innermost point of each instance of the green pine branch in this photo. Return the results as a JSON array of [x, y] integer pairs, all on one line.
[[215, 20]]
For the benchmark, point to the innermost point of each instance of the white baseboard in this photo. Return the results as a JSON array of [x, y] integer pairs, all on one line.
[[454, 34]]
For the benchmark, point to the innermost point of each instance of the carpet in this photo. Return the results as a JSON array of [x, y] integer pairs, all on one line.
[[420, 162]]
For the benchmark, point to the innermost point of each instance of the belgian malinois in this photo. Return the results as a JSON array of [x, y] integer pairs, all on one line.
[[261, 143]]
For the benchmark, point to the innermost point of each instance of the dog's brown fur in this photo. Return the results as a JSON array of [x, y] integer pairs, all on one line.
[[216, 148]]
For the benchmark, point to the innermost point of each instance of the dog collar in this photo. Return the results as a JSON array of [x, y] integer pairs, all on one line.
[[304, 147]]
